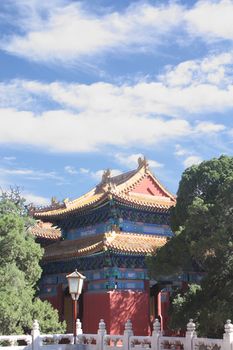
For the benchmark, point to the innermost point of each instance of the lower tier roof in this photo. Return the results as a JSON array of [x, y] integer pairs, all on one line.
[[119, 242], [45, 230]]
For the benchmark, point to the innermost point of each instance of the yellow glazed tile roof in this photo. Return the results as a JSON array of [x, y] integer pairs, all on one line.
[[134, 243], [145, 201], [45, 230], [128, 243], [79, 203], [119, 187]]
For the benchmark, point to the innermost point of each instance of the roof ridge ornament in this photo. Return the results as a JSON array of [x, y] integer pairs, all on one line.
[[106, 175], [106, 183], [143, 162], [66, 202]]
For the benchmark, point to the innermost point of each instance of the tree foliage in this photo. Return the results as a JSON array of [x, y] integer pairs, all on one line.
[[203, 225], [184, 306], [20, 271]]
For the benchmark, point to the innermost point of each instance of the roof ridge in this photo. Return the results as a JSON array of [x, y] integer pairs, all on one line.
[[119, 186]]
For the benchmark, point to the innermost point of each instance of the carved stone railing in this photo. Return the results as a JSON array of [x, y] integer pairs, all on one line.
[[89, 340], [140, 342], [49, 339], [127, 341], [172, 343], [16, 341], [112, 342], [207, 344]]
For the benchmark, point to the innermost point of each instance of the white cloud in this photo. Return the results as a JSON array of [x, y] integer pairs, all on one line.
[[180, 151], [30, 173], [211, 19], [131, 161], [70, 170], [64, 32], [155, 164], [187, 155], [102, 114], [67, 32], [84, 171], [9, 159], [191, 160], [209, 128], [35, 199], [142, 99], [212, 70], [97, 175], [64, 131]]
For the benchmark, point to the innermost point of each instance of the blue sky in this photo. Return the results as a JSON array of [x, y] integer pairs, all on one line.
[[90, 85]]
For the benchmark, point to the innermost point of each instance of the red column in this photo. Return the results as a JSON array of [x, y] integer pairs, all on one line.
[[159, 303]]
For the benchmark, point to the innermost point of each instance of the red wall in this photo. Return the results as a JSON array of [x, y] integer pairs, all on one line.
[[129, 305], [53, 300], [96, 306], [116, 307]]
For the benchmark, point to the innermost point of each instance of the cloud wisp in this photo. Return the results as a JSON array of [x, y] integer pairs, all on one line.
[[62, 131], [35, 199], [70, 170], [66, 32], [178, 91], [92, 116], [187, 155], [192, 160], [30, 174], [93, 174], [89, 117]]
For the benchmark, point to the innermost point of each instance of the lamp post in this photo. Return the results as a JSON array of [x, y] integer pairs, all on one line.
[[75, 282]]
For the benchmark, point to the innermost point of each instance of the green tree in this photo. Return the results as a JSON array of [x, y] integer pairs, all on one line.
[[203, 225], [184, 306], [19, 273]]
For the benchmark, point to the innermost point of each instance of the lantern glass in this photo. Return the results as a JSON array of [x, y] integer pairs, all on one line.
[[75, 281], [73, 285], [80, 286]]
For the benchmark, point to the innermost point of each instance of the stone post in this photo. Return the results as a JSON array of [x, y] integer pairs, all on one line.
[[190, 334], [78, 327], [101, 333], [128, 332], [36, 343], [228, 335], [156, 333]]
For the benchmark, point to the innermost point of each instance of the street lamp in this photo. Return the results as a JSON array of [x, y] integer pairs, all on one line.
[[75, 282]]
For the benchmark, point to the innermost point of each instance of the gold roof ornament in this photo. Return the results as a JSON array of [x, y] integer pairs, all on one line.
[[54, 201], [143, 162], [106, 175]]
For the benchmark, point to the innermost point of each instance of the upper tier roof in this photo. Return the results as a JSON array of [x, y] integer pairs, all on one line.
[[136, 188]]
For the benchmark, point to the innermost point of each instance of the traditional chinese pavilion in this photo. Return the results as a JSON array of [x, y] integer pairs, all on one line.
[[106, 234]]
